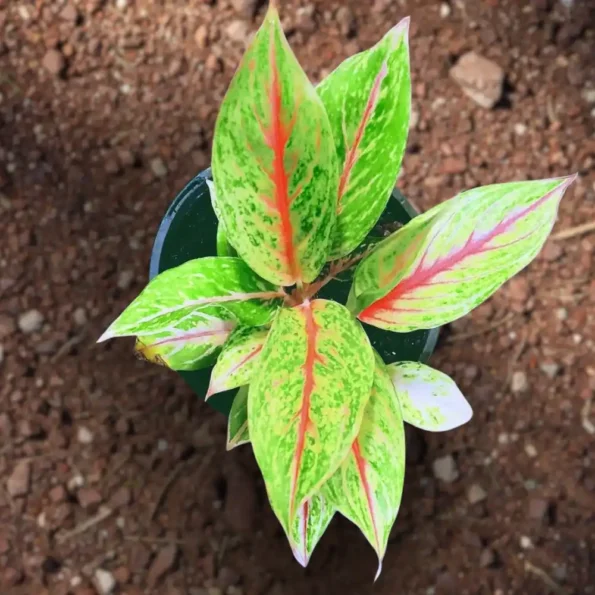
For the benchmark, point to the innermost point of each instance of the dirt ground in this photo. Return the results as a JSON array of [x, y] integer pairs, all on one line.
[[114, 476]]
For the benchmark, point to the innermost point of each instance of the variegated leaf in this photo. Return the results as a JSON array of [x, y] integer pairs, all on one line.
[[429, 399], [310, 523], [368, 100], [274, 163], [367, 487], [237, 359], [224, 247], [237, 424], [446, 262], [185, 314], [307, 400]]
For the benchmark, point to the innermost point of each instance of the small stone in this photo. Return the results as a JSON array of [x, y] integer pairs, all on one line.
[[80, 316], [69, 13], [476, 494], [75, 482], [30, 321], [530, 451], [121, 497], [122, 575], [84, 435], [213, 63], [552, 251], [480, 79], [503, 438], [588, 95], [445, 469], [162, 564], [54, 62], [238, 31], [520, 129], [550, 369], [246, 8], [162, 445], [158, 168], [525, 542], [201, 37], [58, 494], [125, 279], [89, 498], [519, 383], [20, 480], [105, 583], [121, 4], [562, 314], [7, 326], [453, 165], [445, 10], [487, 558], [346, 21], [539, 510], [519, 289]]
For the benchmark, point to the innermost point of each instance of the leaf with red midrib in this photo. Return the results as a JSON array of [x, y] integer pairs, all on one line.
[[274, 164], [367, 487], [306, 400], [368, 100], [446, 262]]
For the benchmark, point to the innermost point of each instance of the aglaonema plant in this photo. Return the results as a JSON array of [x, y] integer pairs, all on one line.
[[301, 176]]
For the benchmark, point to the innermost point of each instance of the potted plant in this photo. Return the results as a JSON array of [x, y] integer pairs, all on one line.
[[301, 179]]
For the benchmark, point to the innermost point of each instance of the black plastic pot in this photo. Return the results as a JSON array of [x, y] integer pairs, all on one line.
[[189, 230]]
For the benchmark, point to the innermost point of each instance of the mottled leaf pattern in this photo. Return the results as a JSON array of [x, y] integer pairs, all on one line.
[[307, 400], [186, 313], [237, 359], [368, 100], [311, 521], [429, 399], [237, 424], [274, 163], [448, 261], [367, 487]]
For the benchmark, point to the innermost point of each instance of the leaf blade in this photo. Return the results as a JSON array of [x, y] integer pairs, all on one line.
[[237, 360], [300, 425], [446, 262], [185, 314], [273, 163], [368, 99], [368, 486], [311, 521], [429, 399], [237, 425]]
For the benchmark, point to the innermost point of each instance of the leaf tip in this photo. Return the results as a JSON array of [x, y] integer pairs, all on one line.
[[401, 31], [300, 555], [106, 335], [379, 569]]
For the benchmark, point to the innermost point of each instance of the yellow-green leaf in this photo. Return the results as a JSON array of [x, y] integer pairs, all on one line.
[[307, 400], [274, 164], [368, 100], [237, 359], [367, 487], [237, 425]]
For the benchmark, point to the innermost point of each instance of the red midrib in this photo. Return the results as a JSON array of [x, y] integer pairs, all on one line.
[[351, 156], [278, 136], [190, 336], [419, 278], [305, 529], [361, 469], [304, 412]]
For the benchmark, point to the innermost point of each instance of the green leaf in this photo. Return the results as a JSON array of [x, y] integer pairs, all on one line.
[[311, 521], [185, 314], [429, 399], [446, 262], [274, 163], [237, 425], [307, 400], [367, 487], [368, 100], [237, 359]]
